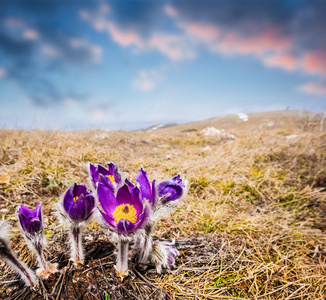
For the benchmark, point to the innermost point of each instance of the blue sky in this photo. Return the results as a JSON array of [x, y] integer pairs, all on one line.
[[130, 64]]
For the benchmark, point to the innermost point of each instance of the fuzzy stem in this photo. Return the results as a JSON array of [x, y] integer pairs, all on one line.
[[21, 268], [147, 246], [122, 258], [40, 256], [76, 245]]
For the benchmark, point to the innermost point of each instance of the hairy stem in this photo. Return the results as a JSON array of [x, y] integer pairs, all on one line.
[[76, 244], [122, 258], [26, 274]]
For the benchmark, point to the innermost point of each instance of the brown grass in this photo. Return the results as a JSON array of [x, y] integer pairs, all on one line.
[[252, 226]]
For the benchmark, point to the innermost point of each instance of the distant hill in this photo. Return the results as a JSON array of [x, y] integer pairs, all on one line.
[[270, 120]]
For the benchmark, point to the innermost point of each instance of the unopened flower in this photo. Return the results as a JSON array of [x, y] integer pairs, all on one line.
[[163, 198], [109, 177], [171, 190], [163, 255], [125, 213], [10, 258], [31, 228], [76, 208]]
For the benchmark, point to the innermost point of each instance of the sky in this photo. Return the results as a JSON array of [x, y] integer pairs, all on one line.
[[125, 65]]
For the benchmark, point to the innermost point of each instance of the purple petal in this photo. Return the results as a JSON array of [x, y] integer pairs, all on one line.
[[79, 189], [143, 218], [124, 226], [144, 183], [154, 193], [25, 211], [107, 182], [130, 185], [34, 226], [77, 210], [68, 199], [135, 200], [108, 219], [124, 196], [171, 189], [89, 204], [38, 211], [94, 173], [103, 171], [113, 169], [106, 198], [177, 179], [24, 221]]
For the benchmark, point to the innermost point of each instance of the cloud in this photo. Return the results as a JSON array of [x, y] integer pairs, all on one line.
[[35, 43], [314, 88], [147, 80], [3, 72], [282, 60], [315, 62]]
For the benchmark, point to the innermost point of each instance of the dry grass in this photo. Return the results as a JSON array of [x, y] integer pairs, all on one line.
[[252, 226]]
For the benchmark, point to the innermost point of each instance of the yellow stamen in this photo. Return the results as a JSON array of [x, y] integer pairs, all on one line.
[[111, 177], [125, 211], [75, 199]]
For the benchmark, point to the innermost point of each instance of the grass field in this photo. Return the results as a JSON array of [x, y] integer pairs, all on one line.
[[252, 226]]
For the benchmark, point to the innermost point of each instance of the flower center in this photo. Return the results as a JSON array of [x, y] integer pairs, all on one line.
[[125, 211], [111, 177], [75, 199]]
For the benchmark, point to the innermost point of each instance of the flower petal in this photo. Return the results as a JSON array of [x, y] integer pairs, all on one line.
[[143, 218], [89, 204], [144, 183], [38, 211], [25, 211], [106, 198], [93, 171], [103, 170], [154, 193], [107, 182], [113, 169], [124, 226], [68, 199], [136, 201], [79, 189], [108, 219], [130, 185], [77, 210], [123, 195], [24, 221]]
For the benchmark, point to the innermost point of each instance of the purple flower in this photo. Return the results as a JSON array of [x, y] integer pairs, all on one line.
[[163, 255], [125, 212], [78, 203], [109, 177], [171, 190], [30, 220]]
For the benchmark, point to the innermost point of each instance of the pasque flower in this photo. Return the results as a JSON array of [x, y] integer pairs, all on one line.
[[124, 213], [163, 254], [164, 197], [109, 177], [31, 227], [10, 258], [76, 209]]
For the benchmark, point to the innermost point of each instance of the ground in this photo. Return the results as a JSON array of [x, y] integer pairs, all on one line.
[[252, 226]]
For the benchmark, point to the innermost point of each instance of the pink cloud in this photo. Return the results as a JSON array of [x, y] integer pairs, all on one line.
[[313, 88], [170, 11], [315, 62], [124, 38], [282, 60], [267, 40], [206, 32], [31, 34]]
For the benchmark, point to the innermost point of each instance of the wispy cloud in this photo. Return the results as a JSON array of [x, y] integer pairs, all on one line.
[[314, 88]]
